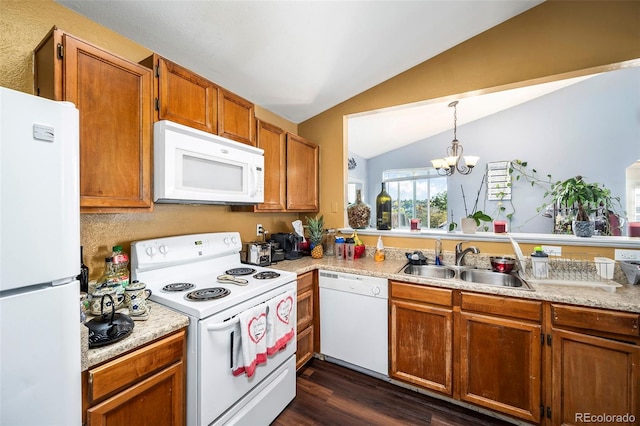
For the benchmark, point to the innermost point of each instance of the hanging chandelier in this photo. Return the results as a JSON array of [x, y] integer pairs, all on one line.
[[448, 165]]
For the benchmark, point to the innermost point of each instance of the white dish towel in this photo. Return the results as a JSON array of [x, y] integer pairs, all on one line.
[[250, 340], [281, 321]]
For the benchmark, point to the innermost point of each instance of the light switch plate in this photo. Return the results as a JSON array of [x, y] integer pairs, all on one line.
[[630, 255]]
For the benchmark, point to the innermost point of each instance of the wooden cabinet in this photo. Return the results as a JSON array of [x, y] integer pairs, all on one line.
[[595, 363], [273, 141], [306, 317], [291, 172], [500, 354], [236, 118], [182, 96], [113, 96], [144, 387], [303, 173], [421, 336]]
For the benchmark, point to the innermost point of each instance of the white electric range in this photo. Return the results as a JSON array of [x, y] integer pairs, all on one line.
[[201, 275]]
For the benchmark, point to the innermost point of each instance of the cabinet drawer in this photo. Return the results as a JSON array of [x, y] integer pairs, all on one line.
[[421, 293], [505, 306], [305, 281], [127, 369], [595, 319], [304, 349]]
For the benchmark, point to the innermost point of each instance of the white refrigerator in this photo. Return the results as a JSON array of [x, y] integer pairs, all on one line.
[[39, 260]]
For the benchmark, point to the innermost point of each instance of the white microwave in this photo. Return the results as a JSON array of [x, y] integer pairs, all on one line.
[[195, 167]]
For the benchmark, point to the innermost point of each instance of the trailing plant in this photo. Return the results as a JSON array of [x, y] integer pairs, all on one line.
[[573, 193]]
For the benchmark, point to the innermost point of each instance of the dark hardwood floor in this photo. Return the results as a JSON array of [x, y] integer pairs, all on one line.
[[329, 394]]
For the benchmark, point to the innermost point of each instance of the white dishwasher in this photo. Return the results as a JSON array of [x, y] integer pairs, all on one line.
[[354, 320]]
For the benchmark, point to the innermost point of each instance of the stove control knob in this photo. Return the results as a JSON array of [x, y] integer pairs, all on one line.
[[234, 240], [164, 249], [226, 240], [151, 251]]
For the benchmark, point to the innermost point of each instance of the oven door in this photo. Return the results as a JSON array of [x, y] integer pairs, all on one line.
[[220, 392]]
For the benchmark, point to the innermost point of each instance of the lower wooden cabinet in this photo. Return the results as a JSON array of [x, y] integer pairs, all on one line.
[[500, 354], [306, 317], [307, 311], [541, 362], [144, 387], [595, 366], [421, 336]]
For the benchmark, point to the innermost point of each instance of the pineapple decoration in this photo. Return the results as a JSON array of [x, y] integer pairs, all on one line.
[[316, 230]]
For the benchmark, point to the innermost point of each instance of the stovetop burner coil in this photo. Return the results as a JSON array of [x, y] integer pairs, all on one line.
[[178, 287], [207, 294], [266, 275], [240, 271]]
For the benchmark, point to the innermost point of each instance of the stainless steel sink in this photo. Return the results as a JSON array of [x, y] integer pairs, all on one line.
[[481, 276], [430, 271]]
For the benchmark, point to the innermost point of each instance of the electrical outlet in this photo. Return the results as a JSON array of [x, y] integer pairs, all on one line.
[[259, 230], [628, 255], [552, 250]]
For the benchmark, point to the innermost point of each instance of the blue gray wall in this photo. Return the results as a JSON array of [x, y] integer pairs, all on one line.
[[591, 128]]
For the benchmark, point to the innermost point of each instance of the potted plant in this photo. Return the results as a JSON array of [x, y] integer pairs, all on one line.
[[471, 222], [315, 227], [573, 202], [585, 198]]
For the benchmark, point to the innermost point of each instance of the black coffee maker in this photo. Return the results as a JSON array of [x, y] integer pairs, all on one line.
[[289, 243]]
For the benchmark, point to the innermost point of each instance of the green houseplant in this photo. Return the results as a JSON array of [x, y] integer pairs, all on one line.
[[574, 201], [472, 220], [583, 197]]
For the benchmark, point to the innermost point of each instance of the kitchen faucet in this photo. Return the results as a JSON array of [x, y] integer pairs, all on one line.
[[460, 254]]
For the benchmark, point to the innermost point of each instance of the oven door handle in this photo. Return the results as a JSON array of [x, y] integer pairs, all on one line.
[[223, 325]]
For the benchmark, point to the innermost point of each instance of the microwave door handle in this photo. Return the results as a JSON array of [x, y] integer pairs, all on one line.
[[254, 181]]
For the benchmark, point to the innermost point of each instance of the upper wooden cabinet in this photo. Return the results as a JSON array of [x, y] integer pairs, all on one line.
[[113, 96], [236, 118], [273, 141], [303, 173], [182, 96], [291, 167]]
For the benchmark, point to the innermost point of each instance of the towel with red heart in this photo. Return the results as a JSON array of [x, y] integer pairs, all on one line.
[[281, 321], [250, 340]]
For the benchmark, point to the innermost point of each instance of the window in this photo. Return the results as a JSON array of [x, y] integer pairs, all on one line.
[[417, 194]]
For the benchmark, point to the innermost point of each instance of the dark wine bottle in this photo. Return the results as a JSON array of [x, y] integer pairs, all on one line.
[[383, 210], [84, 274]]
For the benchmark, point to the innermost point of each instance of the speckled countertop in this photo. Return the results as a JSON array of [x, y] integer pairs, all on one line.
[[625, 298], [161, 321]]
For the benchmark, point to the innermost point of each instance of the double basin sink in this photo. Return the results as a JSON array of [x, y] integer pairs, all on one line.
[[478, 276]]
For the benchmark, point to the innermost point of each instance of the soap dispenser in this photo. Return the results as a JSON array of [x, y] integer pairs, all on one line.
[[438, 252]]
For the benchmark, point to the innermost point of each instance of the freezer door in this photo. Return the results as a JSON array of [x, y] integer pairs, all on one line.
[[40, 378], [39, 186]]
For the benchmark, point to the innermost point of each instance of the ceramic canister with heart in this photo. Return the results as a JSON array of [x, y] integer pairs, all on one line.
[[135, 298]]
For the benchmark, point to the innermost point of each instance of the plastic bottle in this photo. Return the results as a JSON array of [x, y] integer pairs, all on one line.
[[438, 252], [540, 263], [379, 255], [120, 261], [109, 277], [383, 210]]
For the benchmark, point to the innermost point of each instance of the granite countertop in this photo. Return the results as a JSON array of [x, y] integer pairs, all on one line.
[[161, 321], [625, 298]]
